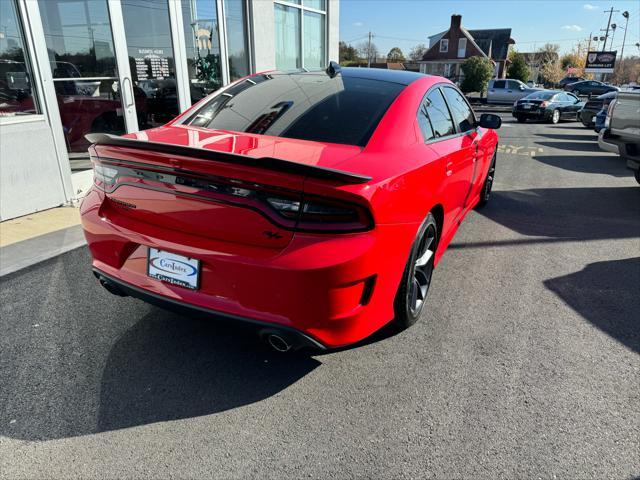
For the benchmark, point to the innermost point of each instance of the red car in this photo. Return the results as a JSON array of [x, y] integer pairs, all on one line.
[[313, 204]]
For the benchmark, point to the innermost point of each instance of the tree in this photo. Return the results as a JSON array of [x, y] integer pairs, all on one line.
[[518, 68], [417, 52], [348, 54], [551, 72], [548, 53], [627, 70], [576, 60], [477, 73], [367, 52], [395, 55]]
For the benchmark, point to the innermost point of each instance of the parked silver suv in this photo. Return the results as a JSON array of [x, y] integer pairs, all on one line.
[[508, 91]]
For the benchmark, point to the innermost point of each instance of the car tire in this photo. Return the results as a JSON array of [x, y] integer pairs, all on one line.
[[416, 279], [485, 193], [521, 119], [555, 116]]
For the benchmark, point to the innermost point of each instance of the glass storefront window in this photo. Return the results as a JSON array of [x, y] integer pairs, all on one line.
[[153, 69], [287, 20], [235, 23], [317, 4], [83, 65], [298, 47], [314, 41], [16, 89], [200, 23]]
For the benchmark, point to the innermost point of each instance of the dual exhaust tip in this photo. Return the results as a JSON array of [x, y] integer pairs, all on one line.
[[280, 342]]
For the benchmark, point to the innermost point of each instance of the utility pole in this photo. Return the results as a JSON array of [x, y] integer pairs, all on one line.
[[369, 51], [606, 35]]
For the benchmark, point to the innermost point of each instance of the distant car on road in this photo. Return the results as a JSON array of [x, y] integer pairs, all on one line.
[[593, 106], [547, 105], [621, 132], [569, 80], [508, 91], [590, 87]]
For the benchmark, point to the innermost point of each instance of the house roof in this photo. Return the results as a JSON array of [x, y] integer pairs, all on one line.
[[494, 41]]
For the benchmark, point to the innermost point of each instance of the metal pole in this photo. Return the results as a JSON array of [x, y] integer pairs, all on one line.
[[369, 52], [624, 39]]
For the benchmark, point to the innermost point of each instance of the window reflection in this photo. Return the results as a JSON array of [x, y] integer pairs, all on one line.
[[234, 12], [148, 34], [16, 90], [200, 23], [83, 66]]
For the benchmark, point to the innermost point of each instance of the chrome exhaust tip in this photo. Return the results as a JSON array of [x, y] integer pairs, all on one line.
[[109, 287], [278, 343]]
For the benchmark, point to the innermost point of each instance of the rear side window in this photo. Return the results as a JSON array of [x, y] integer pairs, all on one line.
[[307, 106], [438, 114], [499, 84], [462, 113]]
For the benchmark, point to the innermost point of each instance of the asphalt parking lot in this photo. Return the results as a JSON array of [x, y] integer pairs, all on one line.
[[525, 365]]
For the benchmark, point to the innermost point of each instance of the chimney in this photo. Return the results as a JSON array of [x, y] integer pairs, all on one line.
[[456, 21]]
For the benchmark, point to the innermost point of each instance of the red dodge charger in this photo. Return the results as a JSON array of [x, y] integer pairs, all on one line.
[[312, 204]]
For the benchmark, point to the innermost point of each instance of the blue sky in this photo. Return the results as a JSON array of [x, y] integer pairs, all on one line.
[[405, 23]]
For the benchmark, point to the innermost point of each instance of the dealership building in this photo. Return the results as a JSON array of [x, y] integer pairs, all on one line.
[[72, 67]]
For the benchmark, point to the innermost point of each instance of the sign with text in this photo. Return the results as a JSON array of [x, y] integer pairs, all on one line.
[[600, 62]]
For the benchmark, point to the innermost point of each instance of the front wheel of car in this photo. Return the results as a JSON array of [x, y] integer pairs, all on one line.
[[416, 279], [555, 116]]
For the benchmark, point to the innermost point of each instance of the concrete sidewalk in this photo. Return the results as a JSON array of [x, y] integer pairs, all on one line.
[[31, 239]]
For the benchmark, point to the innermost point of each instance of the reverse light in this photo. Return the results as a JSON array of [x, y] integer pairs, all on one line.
[[105, 175]]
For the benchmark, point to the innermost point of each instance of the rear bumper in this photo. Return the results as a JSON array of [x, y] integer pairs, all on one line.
[[335, 289], [296, 337], [607, 144], [536, 114]]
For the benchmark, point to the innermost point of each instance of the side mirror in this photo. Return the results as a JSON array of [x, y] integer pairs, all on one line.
[[489, 120]]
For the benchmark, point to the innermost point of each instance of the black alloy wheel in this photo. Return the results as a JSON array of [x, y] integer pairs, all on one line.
[[416, 280]]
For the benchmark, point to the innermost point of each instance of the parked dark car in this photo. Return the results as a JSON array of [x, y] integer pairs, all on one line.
[[547, 105], [590, 87], [595, 105], [569, 80]]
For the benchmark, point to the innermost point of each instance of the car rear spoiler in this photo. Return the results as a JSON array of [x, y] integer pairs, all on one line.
[[262, 162]]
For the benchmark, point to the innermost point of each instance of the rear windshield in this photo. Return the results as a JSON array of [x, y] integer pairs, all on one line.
[[307, 106], [540, 95]]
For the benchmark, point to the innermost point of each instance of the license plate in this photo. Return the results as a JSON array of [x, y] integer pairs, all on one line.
[[527, 106], [593, 119], [173, 268]]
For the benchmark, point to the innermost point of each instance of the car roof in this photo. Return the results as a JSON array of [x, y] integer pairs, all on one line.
[[402, 77]]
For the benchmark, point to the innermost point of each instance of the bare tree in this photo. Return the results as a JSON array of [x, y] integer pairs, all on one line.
[[417, 52], [366, 52], [395, 55]]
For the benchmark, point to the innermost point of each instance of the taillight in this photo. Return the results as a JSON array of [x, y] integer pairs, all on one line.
[[607, 120], [544, 104], [321, 215], [291, 210]]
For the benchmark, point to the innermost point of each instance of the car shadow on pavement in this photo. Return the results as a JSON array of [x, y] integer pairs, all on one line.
[[567, 213], [572, 138], [573, 146], [601, 164], [167, 368], [77, 360], [605, 294]]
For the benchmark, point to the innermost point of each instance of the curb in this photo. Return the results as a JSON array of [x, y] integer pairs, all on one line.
[[18, 256]]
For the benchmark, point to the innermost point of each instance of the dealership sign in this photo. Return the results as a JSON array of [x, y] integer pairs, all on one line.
[[600, 62]]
